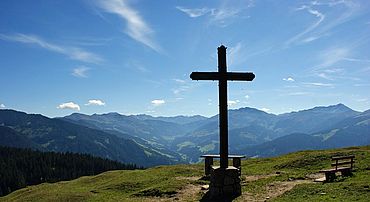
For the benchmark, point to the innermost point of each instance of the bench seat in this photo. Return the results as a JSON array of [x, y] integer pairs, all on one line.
[[335, 170], [208, 162]]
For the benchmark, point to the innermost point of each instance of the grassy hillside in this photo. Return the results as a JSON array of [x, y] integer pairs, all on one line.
[[285, 178]]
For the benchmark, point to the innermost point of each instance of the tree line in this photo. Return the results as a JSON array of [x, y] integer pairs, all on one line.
[[22, 167]]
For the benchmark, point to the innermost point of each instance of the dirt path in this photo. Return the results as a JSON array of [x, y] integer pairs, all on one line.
[[272, 190], [191, 191], [251, 178]]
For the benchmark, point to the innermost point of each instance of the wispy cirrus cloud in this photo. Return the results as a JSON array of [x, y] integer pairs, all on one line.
[[337, 13], [179, 80], [80, 72], [332, 56], [318, 84], [220, 16], [320, 17], [69, 105], [95, 102], [239, 53], [223, 16], [74, 53], [235, 54], [194, 12], [181, 87], [136, 27], [335, 63], [298, 93]]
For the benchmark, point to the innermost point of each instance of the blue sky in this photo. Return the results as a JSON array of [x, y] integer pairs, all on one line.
[[135, 56]]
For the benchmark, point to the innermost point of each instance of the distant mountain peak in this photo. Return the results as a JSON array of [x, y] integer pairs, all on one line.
[[110, 114], [249, 109], [77, 114], [114, 114], [334, 108]]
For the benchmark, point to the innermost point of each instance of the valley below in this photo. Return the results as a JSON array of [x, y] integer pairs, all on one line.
[[149, 141]]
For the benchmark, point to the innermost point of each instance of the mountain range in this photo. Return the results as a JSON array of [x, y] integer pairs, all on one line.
[[18, 129], [147, 140]]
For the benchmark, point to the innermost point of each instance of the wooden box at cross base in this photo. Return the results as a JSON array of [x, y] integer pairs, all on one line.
[[224, 179], [224, 182]]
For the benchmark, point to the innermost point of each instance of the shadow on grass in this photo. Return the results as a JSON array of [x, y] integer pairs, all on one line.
[[207, 198]]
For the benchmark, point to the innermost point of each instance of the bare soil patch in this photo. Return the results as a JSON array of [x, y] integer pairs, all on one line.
[[272, 190]]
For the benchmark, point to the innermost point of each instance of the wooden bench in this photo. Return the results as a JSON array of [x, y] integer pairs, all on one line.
[[208, 162], [343, 164]]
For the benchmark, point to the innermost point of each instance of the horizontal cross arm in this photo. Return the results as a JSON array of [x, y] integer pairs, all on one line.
[[233, 76], [236, 76], [205, 76]]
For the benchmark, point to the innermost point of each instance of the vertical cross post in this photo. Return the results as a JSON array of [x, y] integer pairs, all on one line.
[[223, 76], [222, 101], [220, 177]]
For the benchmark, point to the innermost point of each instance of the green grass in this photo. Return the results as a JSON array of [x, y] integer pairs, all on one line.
[[112, 186], [165, 182], [354, 188]]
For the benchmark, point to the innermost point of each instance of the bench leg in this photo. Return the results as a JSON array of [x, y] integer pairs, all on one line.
[[346, 173], [329, 176], [237, 164], [208, 162]]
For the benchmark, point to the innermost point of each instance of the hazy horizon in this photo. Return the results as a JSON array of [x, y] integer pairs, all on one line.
[[108, 112]]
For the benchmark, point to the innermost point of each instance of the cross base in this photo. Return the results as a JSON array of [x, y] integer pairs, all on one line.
[[225, 182]]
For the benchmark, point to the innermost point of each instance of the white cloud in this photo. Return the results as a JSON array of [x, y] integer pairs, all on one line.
[[195, 12], [246, 97], [232, 102], [157, 102], [136, 27], [2, 106], [74, 53], [290, 79], [95, 102], [80, 72], [265, 109], [69, 105]]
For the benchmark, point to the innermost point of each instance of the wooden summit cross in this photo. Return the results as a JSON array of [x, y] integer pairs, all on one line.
[[222, 76]]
